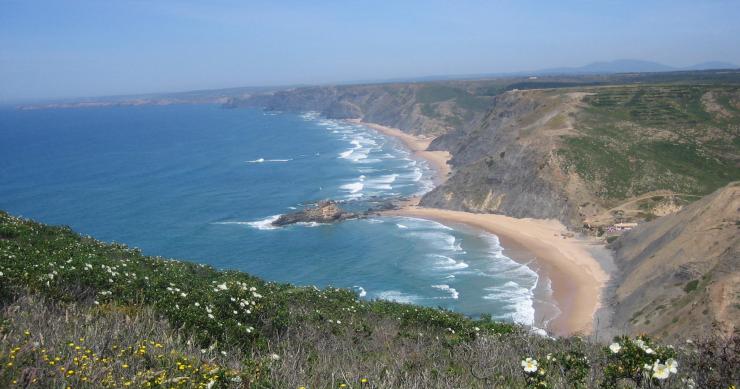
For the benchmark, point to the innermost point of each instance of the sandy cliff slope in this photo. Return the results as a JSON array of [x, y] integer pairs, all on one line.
[[678, 275]]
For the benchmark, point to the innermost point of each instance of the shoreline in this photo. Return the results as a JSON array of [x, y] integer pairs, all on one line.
[[418, 146], [577, 278]]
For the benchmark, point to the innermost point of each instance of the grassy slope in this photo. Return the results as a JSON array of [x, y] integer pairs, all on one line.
[[637, 139], [79, 312]]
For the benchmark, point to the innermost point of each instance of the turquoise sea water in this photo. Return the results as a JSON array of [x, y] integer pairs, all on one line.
[[202, 183]]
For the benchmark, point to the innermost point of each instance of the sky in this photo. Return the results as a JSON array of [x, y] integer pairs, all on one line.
[[57, 49]]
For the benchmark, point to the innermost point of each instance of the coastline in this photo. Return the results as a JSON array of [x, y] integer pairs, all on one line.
[[418, 146], [577, 277]]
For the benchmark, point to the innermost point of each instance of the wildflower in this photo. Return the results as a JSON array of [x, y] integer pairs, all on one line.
[[672, 365], [640, 343], [529, 365], [660, 371], [222, 286], [615, 347], [274, 357], [649, 351], [223, 353], [363, 380]]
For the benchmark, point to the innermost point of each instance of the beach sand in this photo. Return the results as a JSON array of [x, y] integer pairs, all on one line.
[[418, 145], [577, 277]]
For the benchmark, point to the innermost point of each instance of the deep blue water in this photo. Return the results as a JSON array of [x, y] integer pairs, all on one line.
[[202, 183]]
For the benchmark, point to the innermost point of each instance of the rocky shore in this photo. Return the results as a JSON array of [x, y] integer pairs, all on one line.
[[325, 211]]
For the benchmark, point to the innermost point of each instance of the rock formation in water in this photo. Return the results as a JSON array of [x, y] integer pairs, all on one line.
[[325, 211]]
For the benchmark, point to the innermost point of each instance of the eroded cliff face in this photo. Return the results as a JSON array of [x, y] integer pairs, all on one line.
[[508, 162], [418, 109], [589, 157], [678, 274]]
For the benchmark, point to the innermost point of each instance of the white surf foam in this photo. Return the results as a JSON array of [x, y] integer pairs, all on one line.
[[264, 224], [397, 296], [520, 301], [353, 187], [361, 290], [262, 160], [447, 263], [452, 291]]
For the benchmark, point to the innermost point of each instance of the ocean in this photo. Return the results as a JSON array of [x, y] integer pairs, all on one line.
[[202, 183]]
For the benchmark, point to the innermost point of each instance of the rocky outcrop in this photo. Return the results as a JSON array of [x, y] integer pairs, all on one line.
[[326, 211], [677, 275]]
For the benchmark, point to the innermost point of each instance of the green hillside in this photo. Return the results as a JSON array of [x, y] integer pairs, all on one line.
[[76, 312], [640, 138]]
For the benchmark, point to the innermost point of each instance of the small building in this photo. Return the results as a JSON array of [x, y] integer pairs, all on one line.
[[625, 226]]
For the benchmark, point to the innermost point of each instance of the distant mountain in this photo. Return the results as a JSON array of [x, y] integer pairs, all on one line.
[[632, 65], [712, 65]]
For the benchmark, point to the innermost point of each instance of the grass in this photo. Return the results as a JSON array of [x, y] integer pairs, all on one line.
[[691, 286], [636, 139], [76, 312]]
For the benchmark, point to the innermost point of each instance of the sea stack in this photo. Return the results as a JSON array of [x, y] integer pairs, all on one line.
[[325, 211]]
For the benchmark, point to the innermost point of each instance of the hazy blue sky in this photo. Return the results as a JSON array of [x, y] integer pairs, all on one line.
[[97, 47]]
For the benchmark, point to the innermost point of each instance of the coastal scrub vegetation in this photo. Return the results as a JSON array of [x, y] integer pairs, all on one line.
[[76, 312], [634, 139]]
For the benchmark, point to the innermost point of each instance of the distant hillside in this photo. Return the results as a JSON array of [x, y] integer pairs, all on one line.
[[587, 150], [633, 65], [678, 275]]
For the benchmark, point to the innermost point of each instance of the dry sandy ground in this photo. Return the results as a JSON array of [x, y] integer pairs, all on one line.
[[577, 277]]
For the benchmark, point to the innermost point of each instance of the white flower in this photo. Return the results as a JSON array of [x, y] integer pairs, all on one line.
[[223, 353], [275, 357], [660, 371], [615, 347], [529, 365], [672, 365], [222, 286], [640, 343], [647, 366], [1, 274], [197, 304], [649, 351], [210, 316]]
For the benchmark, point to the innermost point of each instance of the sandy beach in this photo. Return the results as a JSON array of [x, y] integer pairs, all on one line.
[[577, 276], [418, 145]]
